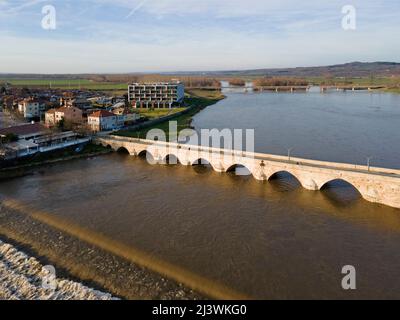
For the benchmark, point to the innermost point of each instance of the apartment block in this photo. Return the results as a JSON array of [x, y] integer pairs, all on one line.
[[156, 95]]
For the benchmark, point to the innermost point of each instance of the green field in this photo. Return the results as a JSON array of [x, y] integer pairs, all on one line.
[[157, 113], [365, 81], [66, 84]]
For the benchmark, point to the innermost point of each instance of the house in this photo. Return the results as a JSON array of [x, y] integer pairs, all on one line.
[[103, 121], [70, 114], [124, 116], [77, 102], [29, 108]]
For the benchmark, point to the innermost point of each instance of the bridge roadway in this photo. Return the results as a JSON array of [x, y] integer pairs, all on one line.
[[377, 185]]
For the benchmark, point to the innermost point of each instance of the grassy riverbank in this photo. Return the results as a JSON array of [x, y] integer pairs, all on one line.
[[392, 90], [197, 100]]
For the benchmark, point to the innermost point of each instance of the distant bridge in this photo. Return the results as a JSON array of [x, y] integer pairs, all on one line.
[[255, 88], [349, 87], [374, 184], [289, 88]]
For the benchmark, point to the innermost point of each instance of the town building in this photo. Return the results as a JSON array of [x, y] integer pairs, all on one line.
[[103, 121], [8, 102], [70, 114], [156, 95], [35, 139], [77, 102], [25, 131], [124, 116], [29, 108]]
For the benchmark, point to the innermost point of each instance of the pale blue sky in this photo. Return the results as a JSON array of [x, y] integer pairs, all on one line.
[[180, 35]]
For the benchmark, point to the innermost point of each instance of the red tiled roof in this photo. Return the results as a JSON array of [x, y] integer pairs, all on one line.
[[23, 129], [102, 114], [51, 111]]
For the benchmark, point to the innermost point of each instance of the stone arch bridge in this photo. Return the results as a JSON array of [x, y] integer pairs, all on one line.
[[374, 184]]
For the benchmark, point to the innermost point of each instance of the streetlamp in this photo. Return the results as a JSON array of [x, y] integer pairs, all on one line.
[[369, 162], [289, 152]]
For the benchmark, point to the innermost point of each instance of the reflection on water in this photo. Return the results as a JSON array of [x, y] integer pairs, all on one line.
[[264, 239]]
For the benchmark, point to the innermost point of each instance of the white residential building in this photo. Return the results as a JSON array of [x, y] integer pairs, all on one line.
[[103, 121], [29, 108]]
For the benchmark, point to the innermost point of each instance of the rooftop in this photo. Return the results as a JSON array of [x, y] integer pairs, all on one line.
[[23, 130], [157, 84], [102, 114]]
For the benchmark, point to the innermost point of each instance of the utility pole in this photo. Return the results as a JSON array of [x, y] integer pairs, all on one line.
[[369, 163]]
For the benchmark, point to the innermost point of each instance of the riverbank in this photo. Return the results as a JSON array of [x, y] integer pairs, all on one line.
[[82, 262], [23, 277], [196, 100], [391, 90], [23, 166]]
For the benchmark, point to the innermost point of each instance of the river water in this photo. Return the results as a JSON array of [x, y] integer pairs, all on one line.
[[267, 240]]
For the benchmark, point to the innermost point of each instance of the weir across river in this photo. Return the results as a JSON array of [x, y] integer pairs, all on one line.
[[377, 185]]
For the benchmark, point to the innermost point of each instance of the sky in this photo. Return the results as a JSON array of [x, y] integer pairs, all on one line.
[[121, 36]]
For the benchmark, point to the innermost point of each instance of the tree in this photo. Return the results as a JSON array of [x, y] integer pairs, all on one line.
[[61, 123]]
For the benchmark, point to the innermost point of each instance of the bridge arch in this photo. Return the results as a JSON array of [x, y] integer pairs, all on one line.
[[147, 155], [123, 150], [341, 191], [171, 159], [201, 162], [286, 173], [336, 183], [305, 180], [240, 169]]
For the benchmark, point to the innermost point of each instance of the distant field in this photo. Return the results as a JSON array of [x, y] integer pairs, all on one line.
[[357, 81], [158, 113], [67, 84], [122, 87]]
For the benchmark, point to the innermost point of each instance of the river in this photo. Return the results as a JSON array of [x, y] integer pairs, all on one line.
[[266, 240]]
